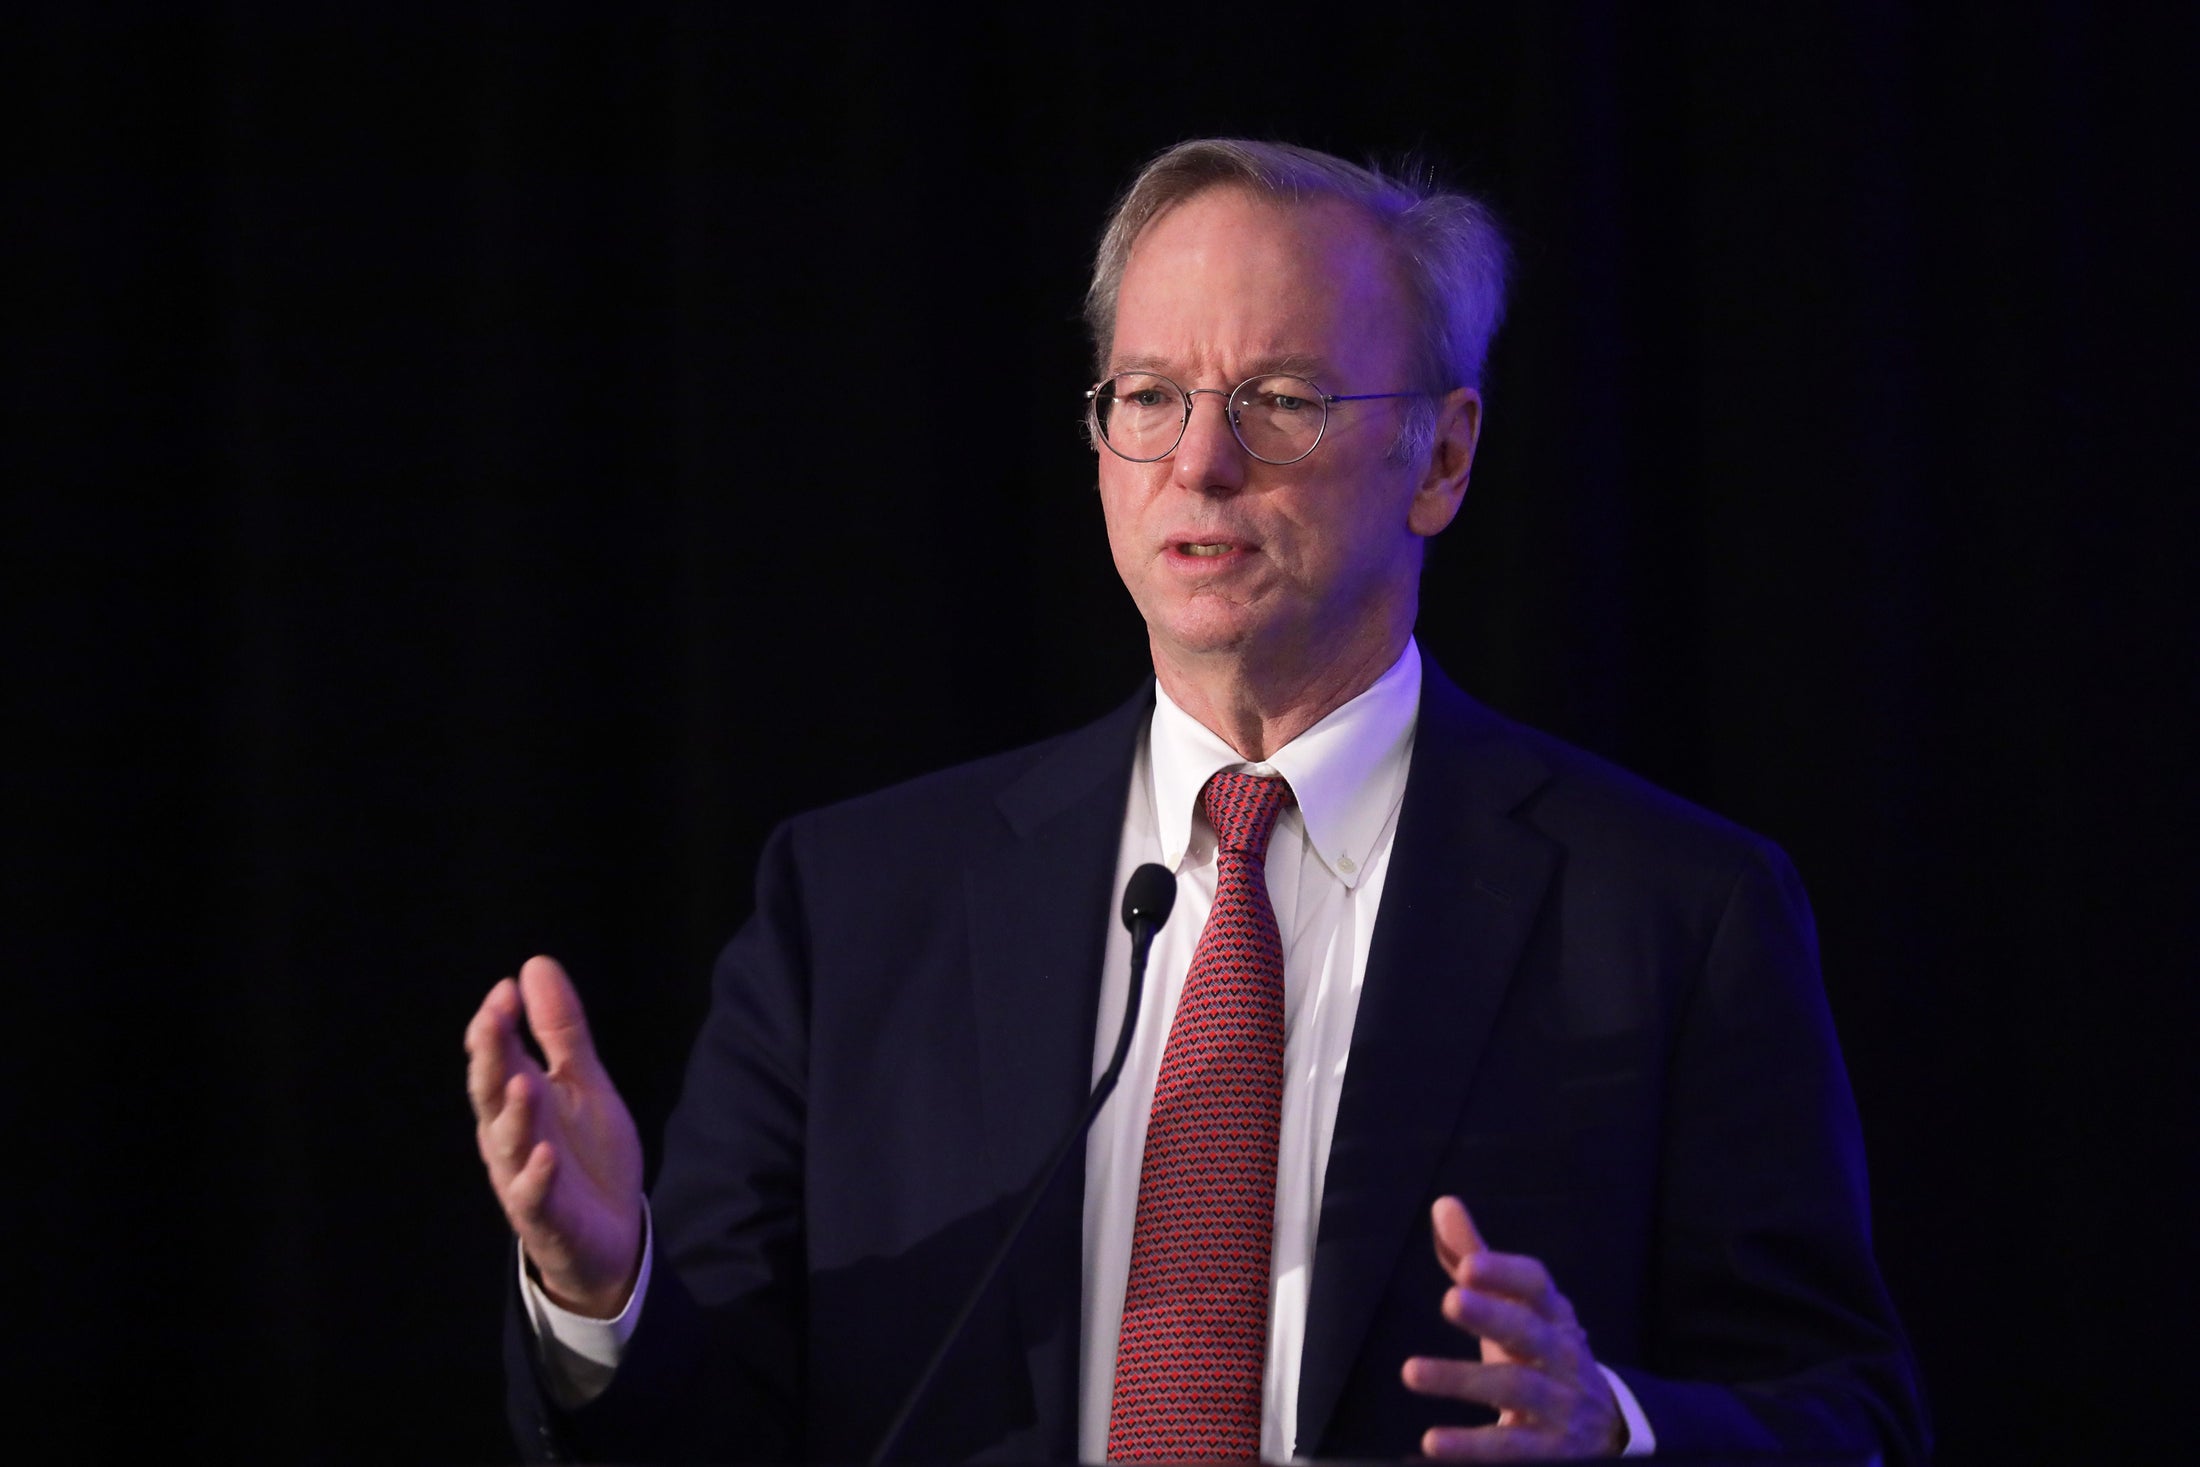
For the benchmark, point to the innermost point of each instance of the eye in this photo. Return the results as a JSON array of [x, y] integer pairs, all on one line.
[[1143, 394], [1281, 396]]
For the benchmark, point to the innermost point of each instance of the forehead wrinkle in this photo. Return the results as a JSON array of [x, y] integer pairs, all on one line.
[[1285, 364]]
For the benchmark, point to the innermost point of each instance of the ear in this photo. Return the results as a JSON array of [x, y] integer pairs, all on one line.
[[1443, 486]]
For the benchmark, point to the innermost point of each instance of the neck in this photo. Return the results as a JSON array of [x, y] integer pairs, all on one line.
[[1257, 709]]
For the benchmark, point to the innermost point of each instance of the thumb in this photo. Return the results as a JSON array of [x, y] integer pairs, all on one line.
[[1455, 1234], [555, 1015]]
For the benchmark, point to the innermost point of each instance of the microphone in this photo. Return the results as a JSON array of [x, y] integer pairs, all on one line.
[[1147, 898]]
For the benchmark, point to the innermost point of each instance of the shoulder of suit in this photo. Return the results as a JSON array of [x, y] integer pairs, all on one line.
[[1584, 800], [968, 798]]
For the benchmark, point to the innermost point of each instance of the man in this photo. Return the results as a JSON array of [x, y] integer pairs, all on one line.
[[1422, 960]]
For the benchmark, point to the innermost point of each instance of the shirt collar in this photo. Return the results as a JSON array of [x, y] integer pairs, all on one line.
[[1347, 772]]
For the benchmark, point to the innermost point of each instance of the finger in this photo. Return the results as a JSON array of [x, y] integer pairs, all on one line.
[[1516, 1330], [555, 1015], [508, 1141], [505, 1059], [528, 1195], [1516, 1276], [1491, 1444], [1455, 1234], [487, 1049], [1506, 1387]]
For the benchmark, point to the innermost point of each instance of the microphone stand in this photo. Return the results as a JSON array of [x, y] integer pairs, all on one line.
[[1147, 898]]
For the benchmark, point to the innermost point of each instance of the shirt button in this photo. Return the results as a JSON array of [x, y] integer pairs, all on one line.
[[1344, 863]]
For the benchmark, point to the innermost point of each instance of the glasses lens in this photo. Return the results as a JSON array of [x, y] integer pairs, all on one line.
[[1139, 414], [1279, 418]]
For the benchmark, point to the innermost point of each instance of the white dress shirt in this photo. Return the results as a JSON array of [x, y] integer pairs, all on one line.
[[1327, 859], [1326, 862]]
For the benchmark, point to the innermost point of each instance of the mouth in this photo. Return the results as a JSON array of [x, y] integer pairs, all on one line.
[[1191, 544]]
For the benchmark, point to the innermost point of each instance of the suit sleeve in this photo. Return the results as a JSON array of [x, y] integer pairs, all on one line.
[[714, 1369], [1771, 1329]]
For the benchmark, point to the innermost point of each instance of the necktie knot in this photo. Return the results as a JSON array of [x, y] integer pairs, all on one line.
[[1243, 809]]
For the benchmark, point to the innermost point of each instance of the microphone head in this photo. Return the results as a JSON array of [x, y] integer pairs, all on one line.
[[1147, 897]]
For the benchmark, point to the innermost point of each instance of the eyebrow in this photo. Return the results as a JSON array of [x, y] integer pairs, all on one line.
[[1292, 364]]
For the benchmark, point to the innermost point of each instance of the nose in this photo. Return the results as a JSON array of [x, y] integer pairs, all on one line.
[[1209, 459]]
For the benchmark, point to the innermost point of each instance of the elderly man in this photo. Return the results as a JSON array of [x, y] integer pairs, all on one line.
[[1424, 963]]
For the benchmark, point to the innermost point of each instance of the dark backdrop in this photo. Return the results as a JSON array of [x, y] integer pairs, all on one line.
[[469, 473]]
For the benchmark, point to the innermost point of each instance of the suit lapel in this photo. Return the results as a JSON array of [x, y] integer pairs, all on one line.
[[1038, 909], [1464, 884]]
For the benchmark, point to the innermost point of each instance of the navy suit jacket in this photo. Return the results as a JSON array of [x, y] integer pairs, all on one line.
[[1591, 1010]]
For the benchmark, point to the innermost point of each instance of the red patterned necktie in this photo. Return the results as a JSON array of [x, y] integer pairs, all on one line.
[[1194, 1341]]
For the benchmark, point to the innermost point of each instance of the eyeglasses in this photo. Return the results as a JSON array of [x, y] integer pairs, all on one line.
[[1278, 418]]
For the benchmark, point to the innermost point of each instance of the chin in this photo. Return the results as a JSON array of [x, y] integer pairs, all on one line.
[[1212, 636]]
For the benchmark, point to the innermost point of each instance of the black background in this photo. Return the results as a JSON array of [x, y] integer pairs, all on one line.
[[470, 471]]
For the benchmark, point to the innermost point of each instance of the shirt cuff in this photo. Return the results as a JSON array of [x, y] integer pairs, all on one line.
[[1641, 1440], [579, 1355]]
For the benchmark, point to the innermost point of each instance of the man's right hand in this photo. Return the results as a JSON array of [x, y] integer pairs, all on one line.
[[561, 1150]]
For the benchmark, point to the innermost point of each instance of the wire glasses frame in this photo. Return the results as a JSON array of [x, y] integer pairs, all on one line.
[[1276, 417]]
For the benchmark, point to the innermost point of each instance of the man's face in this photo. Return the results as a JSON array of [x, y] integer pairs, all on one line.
[[1284, 567]]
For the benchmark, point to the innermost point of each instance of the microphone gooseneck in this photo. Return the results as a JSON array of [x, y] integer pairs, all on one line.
[[1147, 898]]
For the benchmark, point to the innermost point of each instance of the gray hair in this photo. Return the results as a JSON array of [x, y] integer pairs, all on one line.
[[1452, 258]]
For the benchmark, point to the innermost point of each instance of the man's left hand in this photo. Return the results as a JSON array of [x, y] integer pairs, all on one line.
[[1536, 1369]]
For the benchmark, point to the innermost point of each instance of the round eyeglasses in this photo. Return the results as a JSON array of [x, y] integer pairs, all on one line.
[[1278, 418]]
